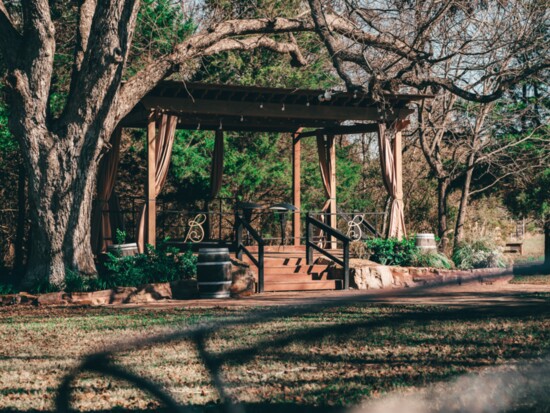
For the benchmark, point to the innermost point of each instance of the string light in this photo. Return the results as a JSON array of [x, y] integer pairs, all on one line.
[[221, 126], [242, 118], [261, 105], [199, 126], [355, 94], [307, 104], [283, 107]]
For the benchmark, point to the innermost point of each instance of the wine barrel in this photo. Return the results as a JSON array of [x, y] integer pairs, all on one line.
[[426, 242], [123, 250], [214, 272]]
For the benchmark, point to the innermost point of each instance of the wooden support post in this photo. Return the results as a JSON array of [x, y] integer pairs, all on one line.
[[151, 198], [332, 208], [296, 184]]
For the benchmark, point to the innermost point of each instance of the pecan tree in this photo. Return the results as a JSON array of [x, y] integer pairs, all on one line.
[[61, 151]]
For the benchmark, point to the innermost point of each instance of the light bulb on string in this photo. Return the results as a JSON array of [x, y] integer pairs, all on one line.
[[283, 107], [199, 126], [307, 104], [261, 105], [242, 118], [221, 126]]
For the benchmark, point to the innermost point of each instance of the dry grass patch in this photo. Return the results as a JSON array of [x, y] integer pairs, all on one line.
[[334, 357]]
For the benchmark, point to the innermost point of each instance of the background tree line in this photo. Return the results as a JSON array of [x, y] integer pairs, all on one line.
[[483, 137]]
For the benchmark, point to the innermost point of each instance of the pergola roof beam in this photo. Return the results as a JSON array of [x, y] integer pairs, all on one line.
[[270, 110], [341, 130]]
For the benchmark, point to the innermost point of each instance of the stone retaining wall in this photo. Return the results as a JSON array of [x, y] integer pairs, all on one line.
[[365, 274], [243, 284]]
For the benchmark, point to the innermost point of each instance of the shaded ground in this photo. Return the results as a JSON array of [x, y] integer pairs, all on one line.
[[315, 361]]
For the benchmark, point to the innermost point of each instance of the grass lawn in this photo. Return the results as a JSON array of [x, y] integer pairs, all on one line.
[[537, 279], [360, 353]]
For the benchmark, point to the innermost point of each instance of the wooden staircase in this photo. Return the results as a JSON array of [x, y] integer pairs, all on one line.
[[285, 269]]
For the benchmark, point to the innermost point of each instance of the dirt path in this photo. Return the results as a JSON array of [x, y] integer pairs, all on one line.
[[467, 295]]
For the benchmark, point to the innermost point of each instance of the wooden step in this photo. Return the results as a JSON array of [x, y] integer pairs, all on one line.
[[303, 285], [271, 261], [296, 269], [293, 277], [287, 249]]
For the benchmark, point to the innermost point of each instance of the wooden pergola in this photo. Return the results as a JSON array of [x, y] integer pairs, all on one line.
[[300, 112]]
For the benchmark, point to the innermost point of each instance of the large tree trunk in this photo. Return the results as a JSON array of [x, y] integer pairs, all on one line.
[[60, 195], [21, 219], [62, 152], [547, 244], [442, 212]]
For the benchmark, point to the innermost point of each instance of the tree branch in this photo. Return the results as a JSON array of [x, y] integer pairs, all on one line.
[[85, 18], [98, 73], [186, 53], [251, 43], [322, 29]]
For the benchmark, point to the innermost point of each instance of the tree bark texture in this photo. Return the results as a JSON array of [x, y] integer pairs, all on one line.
[[442, 212], [547, 243], [61, 155]]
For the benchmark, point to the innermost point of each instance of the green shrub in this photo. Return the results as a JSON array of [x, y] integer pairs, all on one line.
[[477, 254], [163, 264], [432, 260], [7, 288], [391, 251]]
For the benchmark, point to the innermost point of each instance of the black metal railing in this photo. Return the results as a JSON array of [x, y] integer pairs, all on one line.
[[355, 225], [240, 224], [330, 232]]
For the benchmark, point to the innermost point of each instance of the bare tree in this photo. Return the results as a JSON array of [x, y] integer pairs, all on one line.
[[461, 51]]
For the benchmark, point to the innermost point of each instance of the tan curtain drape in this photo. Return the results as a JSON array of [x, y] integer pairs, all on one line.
[[101, 231], [325, 165], [166, 130], [216, 173], [390, 162]]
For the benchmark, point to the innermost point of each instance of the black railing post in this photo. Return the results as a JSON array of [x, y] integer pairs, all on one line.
[[346, 265], [309, 251], [260, 267], [239, 236]]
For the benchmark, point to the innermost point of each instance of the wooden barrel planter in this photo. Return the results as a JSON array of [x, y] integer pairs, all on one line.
[[213, 273], [123, 250], [426, 243]]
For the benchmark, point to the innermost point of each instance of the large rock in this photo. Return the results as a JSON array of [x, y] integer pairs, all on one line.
[[149, 293], [365, 275], [243, 280], [57, 298], [119, 295], [402, 277], [80, 298], [10, 299]]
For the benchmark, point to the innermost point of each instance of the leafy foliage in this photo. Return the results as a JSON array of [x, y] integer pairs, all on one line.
[[160, 26], [404, 253], [392, 251], [477, 254], [162, 264], [8, 144], [431, 260]]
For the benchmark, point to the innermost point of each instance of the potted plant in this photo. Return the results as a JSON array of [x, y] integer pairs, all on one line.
[[122, 248]]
